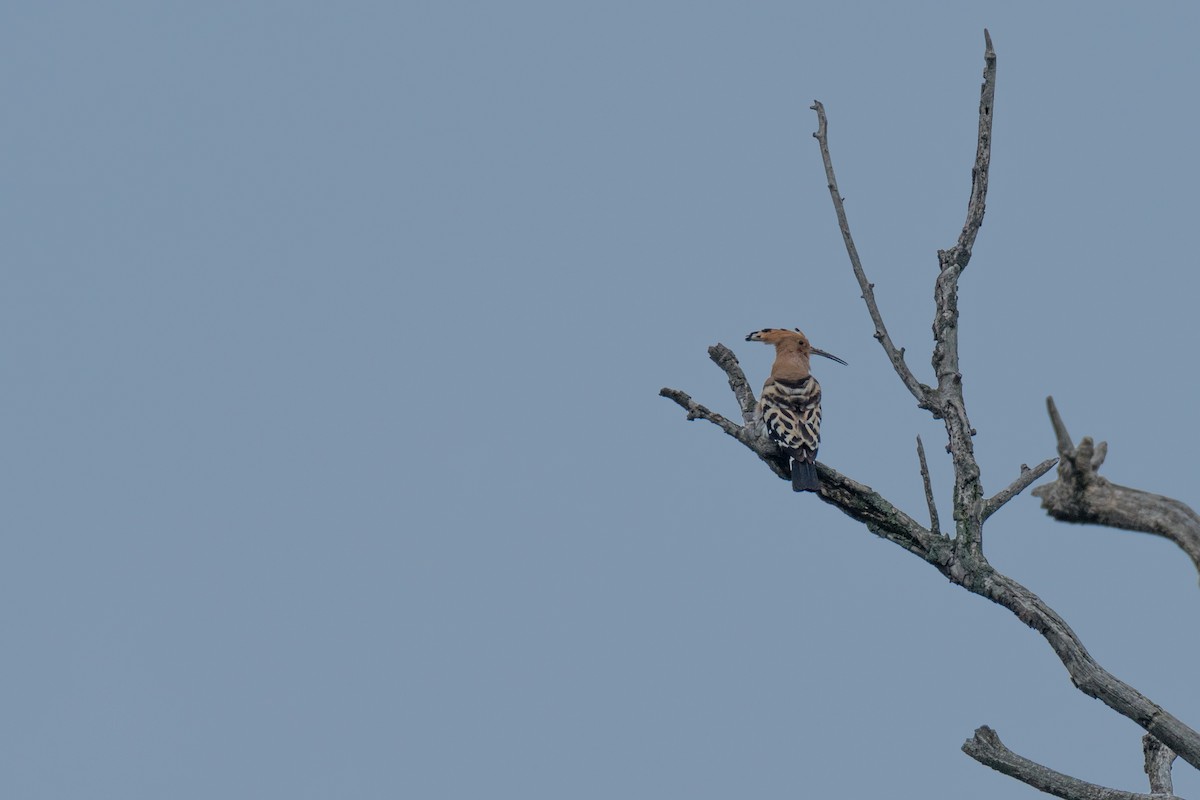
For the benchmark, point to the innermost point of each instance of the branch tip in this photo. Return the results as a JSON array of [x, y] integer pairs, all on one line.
[[1023, 480], [933, 512], [868, 288], [1066, 447], [724, 358]]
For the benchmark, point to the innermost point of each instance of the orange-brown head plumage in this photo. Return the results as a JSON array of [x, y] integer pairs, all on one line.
[[792, 351]]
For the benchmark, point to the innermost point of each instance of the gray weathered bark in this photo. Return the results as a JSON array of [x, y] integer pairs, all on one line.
[[1158, 765], [986, 748], [960, 557], [1080, 494]]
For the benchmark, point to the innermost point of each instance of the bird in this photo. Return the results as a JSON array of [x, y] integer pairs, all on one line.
[[790, 405]]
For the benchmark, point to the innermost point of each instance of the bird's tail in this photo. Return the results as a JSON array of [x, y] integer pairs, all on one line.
[[804, 476]]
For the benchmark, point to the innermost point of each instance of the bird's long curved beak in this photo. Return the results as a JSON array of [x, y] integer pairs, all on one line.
[[830, 356]]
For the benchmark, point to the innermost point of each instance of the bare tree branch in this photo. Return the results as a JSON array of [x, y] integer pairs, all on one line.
[[1158, 765], [894, 354], [986, 748], [968, 490], [961, 559], [1085, 672], [973, 572], [1079, 494], [763, 447], [856, 500], [724, 358], [862, 503], [933, 515], [946, 401], [1026, 477], [960, 254], [697, 411], [853, 498]]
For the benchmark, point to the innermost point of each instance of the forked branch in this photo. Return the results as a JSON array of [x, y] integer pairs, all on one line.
[[968, 490], [961, 559], [1080, 494], [986, 748], [894, 354]]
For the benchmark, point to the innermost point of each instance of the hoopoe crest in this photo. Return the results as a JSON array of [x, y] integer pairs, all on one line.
[[790, 404]]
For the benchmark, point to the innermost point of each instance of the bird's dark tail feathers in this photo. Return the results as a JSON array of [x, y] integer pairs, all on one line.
[[804, 476]]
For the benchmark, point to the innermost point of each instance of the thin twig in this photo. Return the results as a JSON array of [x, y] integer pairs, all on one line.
[[1026, 477], [986, 748], [894, 354], [933, 515], [762, 446], [862, 503], [697, 411]]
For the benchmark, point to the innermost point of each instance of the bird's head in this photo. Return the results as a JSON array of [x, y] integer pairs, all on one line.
[[789, 339]]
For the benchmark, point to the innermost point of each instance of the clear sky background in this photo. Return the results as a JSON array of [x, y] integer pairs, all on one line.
[[332, 335]]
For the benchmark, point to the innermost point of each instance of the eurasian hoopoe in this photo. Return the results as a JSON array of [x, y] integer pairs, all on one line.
[[790, 405]]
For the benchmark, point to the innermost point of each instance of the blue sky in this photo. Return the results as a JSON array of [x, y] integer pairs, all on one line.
[[332, 343]]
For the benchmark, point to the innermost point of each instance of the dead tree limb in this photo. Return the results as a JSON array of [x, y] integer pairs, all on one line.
[[961, 558], [894, 354], [986, 748], [1158, 765], [1079, 494]]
